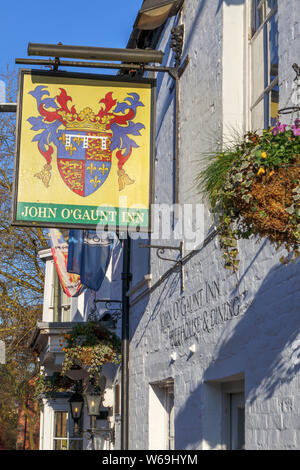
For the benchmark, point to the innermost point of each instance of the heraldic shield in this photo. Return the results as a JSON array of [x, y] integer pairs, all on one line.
[[84, 159]]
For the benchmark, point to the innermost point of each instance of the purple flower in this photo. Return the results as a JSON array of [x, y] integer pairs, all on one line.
[[279, 128], [296, 130], [282, 127], [297, 123]]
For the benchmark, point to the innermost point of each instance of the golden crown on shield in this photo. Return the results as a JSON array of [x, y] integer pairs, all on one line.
[[86, 119]]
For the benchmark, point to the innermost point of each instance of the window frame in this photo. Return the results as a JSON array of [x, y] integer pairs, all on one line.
[[68, 438], [255, 31], [161, 415], [230, 389], [62, 308], [170, 421]]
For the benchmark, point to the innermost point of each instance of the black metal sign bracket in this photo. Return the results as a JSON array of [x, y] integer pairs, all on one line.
[[160, 251]]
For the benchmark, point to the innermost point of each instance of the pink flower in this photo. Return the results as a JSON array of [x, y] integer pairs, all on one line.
[[279, 128], [282, 127], [297, 123], [296, 130]]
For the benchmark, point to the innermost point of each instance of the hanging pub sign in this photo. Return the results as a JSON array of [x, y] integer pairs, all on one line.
[[84, 151]]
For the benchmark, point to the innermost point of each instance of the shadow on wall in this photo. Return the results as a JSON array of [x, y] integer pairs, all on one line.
[[170, 286], [265, 344]]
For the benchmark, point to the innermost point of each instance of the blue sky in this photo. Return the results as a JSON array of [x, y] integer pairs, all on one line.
[[100, 23]]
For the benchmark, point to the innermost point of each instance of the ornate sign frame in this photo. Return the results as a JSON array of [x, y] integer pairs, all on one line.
[[84, 151]]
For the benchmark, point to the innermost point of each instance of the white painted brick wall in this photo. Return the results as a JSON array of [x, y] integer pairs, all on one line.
[[289, 39], [262, 341]]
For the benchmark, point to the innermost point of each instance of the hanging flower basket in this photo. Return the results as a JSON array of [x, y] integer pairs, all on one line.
[[48, 386], [90, 346], [254, 189]]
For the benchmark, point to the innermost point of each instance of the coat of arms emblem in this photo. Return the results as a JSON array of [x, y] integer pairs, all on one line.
[[85, 140]]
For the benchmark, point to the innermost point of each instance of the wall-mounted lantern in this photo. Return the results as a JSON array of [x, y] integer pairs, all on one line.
[[76, 406], [93, 399]]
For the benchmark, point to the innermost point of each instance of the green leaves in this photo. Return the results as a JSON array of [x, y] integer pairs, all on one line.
[[238, 178], [240, 183], [291, 209], [247, 198], [280, 149], [92, 346]]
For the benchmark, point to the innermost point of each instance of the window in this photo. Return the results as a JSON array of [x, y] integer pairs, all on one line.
[[60, 302], [170, 417], [223, 413], [161, 415], [237, 421], [63, 433], [233, 415], [264, 63]]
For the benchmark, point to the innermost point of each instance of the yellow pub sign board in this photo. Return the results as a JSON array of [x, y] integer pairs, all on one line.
[[84, 151]]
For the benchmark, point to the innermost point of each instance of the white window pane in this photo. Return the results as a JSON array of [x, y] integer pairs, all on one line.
[[63, 432], [60, 424], [257, 116], [257, 61], [161, 416], [270, 5]]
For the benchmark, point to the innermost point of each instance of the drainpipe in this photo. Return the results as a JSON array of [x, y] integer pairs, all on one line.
[[126, 278]]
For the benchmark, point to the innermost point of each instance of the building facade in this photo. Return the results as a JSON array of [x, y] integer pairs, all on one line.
[[60, 313], [214, 356]]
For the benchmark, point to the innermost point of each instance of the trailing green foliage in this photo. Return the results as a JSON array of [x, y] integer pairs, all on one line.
[[90, 345], [253, 189]]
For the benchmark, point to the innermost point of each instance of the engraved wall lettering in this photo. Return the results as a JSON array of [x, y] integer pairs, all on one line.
[[198, 313]]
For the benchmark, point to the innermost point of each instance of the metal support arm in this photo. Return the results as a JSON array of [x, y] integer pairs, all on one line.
[[55, 63], [160, 251]]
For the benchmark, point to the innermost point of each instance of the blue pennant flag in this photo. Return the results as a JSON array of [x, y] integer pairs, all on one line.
[[89, 256]]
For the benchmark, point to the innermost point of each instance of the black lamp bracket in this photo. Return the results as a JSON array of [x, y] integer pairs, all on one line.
[[295, 88], [160, 251], [114, 310], [107, 433], [297, 70], [112, 307]]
